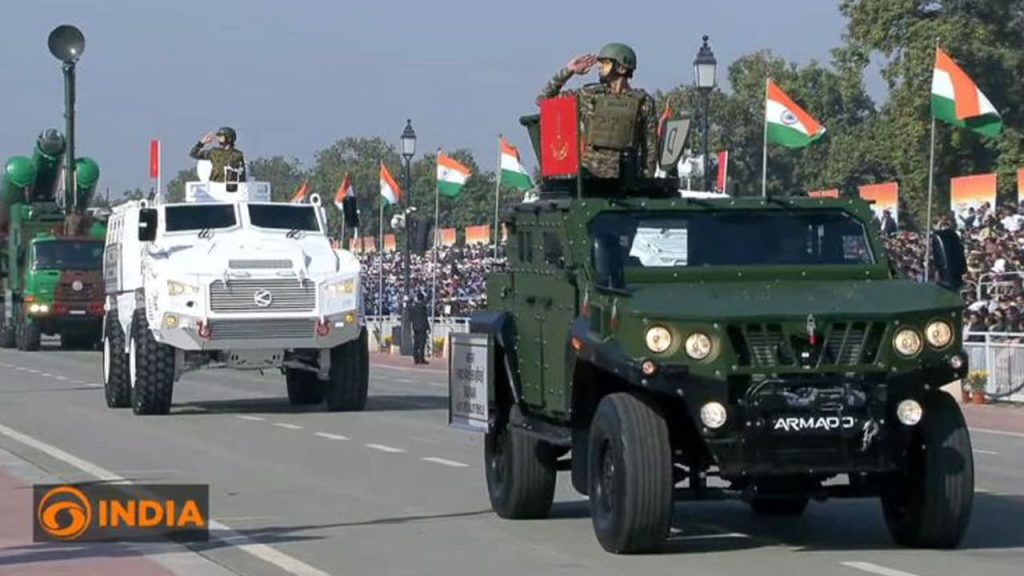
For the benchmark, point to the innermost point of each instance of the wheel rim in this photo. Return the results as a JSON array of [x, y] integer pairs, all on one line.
[[605, 489], [131, 361], [106, 359]]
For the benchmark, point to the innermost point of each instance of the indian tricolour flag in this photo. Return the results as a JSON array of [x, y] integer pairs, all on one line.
[[786, 123], [956, 99], [388, 189], [344, 191], [512, 172], [451, 176]]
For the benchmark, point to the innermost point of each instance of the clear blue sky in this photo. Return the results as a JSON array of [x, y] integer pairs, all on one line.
[[293, 77]]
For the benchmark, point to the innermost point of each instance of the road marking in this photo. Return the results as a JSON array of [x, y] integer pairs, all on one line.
[[245, 544], [876, 569], [48, 375], [93, 385], [250, 418], [288, 426], [989, 452], [998, 432], [62, 378], [451, 463], [194, 408], [383, 448], [331, 436]]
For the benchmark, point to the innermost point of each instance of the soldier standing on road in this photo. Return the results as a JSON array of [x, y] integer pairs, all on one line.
[[619, 121], [420, 325], [225, 156]]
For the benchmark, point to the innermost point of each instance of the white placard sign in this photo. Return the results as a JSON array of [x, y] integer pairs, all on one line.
[[469, 381]]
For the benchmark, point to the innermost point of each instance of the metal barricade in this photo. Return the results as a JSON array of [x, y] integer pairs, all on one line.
[[381, 328], [1001, 356]]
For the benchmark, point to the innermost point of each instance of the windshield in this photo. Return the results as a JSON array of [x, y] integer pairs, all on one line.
[[283, 217], [737, 238], [68, 255], [199, 217]]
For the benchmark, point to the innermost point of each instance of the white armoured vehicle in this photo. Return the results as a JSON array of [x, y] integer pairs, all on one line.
[[229, 279]]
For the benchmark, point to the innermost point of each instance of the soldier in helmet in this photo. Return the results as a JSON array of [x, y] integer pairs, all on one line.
[[619, 121], [225, 156]]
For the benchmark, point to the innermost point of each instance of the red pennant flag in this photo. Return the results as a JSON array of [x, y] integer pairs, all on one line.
[[343, 192], [559, 137], [723, 170], [154, 159], [665, 116]]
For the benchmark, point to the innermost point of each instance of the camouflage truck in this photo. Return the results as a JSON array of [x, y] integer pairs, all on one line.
[[661, 348]]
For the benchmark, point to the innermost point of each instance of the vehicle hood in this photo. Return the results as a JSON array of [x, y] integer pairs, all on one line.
[[219, 255], [766, 300]]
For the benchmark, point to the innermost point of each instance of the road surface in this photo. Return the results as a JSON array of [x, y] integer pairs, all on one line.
[[393, 491]]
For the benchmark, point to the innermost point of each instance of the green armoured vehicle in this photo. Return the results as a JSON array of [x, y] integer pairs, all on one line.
[[51, 261], [649, 342]]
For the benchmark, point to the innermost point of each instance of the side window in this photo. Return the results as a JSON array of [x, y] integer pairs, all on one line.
[[553, 250]]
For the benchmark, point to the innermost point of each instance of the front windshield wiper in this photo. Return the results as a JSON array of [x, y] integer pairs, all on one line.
[[206, 233], [294, 233]]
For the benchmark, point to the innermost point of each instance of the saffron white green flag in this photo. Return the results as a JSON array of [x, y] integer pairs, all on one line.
[[956, 99], [451, 176], [787, 124], [513, 174], [388, 188]]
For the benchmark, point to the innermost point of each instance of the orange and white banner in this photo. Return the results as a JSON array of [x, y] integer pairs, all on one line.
[[354, 245], [833, 193], [885, 197], [447, 236], [1020, 185], [478, 234], [390, 243], [966, 192], [369, 244]]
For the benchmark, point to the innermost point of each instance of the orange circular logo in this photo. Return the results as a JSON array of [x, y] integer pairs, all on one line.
[[76, 509]]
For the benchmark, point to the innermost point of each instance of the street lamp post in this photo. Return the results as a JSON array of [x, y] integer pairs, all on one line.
[[67, 43], [705, 68], [408, 151]]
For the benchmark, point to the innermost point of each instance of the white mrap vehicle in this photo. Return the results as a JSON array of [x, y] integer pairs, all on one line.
[[229, 279]]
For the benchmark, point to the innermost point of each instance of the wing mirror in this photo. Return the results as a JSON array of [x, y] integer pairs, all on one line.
[[609, 266], [148, 218], [950, 262]]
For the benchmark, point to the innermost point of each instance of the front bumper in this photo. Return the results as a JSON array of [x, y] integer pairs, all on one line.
[[256, 332]]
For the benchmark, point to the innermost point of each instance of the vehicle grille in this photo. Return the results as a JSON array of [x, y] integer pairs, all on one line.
[[64, 292], [261, 329], [240, 295], [260, 264], [777, 345]]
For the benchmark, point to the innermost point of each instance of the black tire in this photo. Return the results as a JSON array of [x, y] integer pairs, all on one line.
[[521, 473], [928, 503], [629, 475], [116, 384], [7, 334], [349, 382], [303, 387], [27, 335], [152, 376]]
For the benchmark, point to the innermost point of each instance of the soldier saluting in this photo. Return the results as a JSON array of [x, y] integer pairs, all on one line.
[[619, 121], [224, 156]]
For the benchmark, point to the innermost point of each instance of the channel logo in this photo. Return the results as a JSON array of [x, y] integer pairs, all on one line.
[[120, 512]]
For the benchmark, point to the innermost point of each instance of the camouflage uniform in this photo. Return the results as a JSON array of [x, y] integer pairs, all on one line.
[[605, 163], [221, 158]]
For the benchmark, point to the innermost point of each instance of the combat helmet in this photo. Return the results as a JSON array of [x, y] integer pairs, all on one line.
[[228, 133], [619, 53]]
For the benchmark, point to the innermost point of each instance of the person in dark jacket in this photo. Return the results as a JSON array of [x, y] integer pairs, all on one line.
[[420, 327]]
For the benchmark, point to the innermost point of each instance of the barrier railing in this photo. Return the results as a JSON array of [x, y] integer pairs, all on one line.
[[382, 328], [1000, 356]]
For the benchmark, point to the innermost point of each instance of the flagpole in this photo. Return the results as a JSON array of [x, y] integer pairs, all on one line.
[[928, 212], [497, 201], [433, 275], [764, 160]]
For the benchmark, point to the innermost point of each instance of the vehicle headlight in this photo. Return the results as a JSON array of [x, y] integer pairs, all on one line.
[[939, 334], [698, 345], [344, 287], [658, 339], [907, 342], [181, 289]]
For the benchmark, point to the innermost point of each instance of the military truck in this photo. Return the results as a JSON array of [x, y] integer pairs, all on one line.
[[229, 279], [50, 258], [661, 348]]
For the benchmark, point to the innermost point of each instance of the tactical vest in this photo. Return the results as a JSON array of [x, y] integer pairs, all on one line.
[[612, 121]]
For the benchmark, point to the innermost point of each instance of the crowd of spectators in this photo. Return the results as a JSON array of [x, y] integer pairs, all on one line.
[[461, 271], [993, 241]]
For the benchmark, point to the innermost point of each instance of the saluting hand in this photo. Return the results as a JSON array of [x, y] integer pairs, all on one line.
[[208, 138], [582, 64]]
